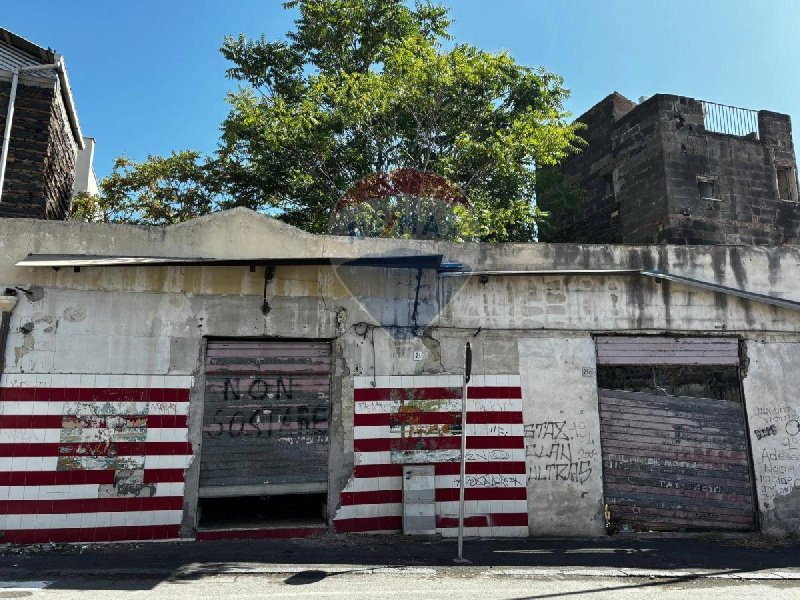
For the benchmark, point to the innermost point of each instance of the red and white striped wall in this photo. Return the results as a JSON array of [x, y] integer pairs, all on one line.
[[416, 420], [92, 458]]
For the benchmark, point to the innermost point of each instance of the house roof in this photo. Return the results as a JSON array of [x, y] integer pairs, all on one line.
[[16, 52]]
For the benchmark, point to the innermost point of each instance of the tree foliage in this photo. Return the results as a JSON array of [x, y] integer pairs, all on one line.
[[157, 191], [361, 87]]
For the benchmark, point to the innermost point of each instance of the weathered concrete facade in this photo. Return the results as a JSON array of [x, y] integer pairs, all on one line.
[[135, 337], [658, 172]]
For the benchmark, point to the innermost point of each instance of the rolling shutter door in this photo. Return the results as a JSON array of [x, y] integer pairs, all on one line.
[[265, 419], [672, 462], [658, 350]]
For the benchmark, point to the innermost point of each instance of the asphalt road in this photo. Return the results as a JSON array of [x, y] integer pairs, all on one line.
[[423, 584], [387, 567]]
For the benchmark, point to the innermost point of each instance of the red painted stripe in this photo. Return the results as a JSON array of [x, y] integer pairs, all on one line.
[[86, 505], [436, 393], [497, 493], [93, 534], [437, 418], [474, 442], [442, 495], [58, 421], [444, 468], [82, 476], [56, 477], [488, 520], [53, 394], [97, 449], [172, 421], [31, 421], [378, 471], [368, 524], [376, 497], [285, 533], [163, 475]]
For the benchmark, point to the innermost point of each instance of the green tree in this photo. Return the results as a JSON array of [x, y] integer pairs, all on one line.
[[157, 191], [366, 86]]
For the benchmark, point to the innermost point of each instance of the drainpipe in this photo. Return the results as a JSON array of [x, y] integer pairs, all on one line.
[[10, 115]]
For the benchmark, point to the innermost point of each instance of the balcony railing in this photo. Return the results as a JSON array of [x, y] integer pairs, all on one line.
[[730, 120]]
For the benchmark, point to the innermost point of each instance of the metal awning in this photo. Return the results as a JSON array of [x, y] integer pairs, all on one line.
[[415, 261], [658, 275]]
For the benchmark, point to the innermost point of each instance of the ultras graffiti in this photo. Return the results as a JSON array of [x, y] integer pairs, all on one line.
[[560, 451]]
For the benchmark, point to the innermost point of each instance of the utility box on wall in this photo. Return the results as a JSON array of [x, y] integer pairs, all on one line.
[[419, 510]]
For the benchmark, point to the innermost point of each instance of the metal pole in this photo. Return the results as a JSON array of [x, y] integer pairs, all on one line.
[[7, 133], [461, 483]]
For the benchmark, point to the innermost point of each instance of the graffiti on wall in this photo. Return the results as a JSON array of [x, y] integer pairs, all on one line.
[[265, 407], [560, 451], [779, 437]]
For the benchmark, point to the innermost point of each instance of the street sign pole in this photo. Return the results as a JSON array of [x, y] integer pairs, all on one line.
[[467, 375]]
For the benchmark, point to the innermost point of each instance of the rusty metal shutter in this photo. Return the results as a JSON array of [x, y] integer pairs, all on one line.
[[660, 350], [673, 462], [265, 419]]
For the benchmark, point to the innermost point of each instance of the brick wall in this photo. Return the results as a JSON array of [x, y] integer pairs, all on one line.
[[655, 153], [42, 154], [746, 208]]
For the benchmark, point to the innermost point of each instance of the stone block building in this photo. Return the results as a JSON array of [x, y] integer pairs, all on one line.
[[44, 143], [681, 171]]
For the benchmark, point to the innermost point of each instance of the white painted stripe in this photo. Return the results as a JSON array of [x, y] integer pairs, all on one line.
[[101, 407], [167, 434], [50, 492], [421, 430], [28, 463], [75, 492], [419, 381], [480, 405], [435, 456], [91, 463], [373, 484], [29, 436], [356, 511], [94, 380], [81, 435], [482, 481], [95, 519], [166, 461]]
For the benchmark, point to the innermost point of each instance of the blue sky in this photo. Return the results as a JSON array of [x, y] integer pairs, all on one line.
[[148, 76]]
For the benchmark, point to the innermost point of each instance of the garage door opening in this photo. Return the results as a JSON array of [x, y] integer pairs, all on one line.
[[261, 512], [264, 451], [673, 435]]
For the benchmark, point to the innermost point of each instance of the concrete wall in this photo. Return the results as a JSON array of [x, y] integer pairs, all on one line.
[[139, 325], [773, 412]]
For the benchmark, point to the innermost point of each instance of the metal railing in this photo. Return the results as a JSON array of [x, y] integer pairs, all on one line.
[[730, 120]]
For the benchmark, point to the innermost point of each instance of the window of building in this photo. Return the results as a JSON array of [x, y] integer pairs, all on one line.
[[608, 185], [785, 187], [707, 187]]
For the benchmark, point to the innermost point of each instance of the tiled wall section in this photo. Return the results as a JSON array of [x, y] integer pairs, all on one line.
[[92, 457], [416, 420]]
